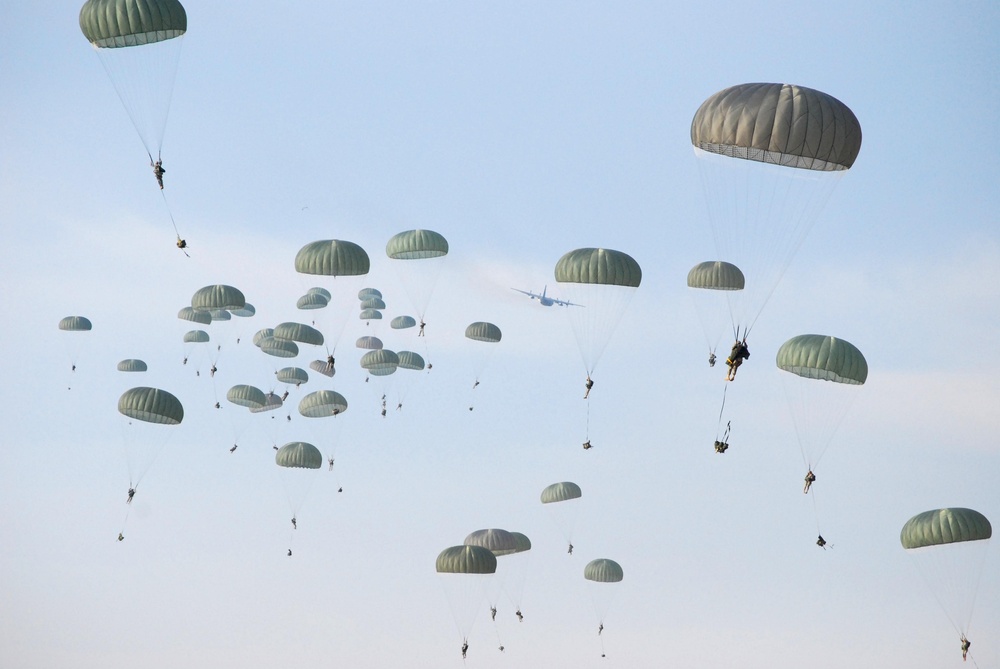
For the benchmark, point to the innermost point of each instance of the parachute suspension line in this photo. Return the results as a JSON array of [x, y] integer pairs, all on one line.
[[170, 214], [816, 511], [722, 409]]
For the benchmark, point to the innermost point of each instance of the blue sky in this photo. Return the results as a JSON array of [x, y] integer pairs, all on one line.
[[519, 131]]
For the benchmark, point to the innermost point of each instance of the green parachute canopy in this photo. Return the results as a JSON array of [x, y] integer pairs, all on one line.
[[598, 266], [416, 245], [823, 357], [279, 348], [299, 455], [292, 375], [332, 257], [246, 396], [261, 335], [466, 560], [499, 542], [410, 360], [189, 314], [220, 315], [247, 311], [218, 296], [368, 343], [299, 332], [402, 322], [125, 23], [75, 324], [482, 331], [603, 570], [322, 292], [370, 315], [151, 405], [373, 303], [560, 492], [366, 293], [782, 124], [523, 542], [132, 365], [312, 301], [322, 403], [380, 362], [196, 337], [944, 526], [716, 275]]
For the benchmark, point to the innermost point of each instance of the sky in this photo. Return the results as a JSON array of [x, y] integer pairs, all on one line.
[[519, 131]]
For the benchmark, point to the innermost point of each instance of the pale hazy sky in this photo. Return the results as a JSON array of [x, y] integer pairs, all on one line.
[[519, 131]]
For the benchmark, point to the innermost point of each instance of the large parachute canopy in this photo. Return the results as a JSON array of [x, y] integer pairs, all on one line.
[[561, 492], [561, 499], [824, 374], [483, 331], [246, 396], [312, 301], [402, 322], [368, 343], [603, 282], [138, 42], [279, 348], [292, 375], [769, 156], [380, 362], [603, 570], [949, 548], [332, 257]]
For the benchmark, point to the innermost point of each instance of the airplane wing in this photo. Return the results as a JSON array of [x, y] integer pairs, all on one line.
[[565, 303], [529, 294]]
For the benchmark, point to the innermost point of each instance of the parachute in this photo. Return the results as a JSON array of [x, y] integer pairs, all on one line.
[[402, 322], [298, 332], [312, 301], [769, 156], [147, 412], [296, 461], [73, 344], [292, 375], [138, 42], [368, 343], [279, 348], [189, 314], [419, 256], [323, 367], [823, 375], [488, 333], [322, 403], [248, 397], [603, 282], [345, 263], [465, 572], [600, 574], [560, 498], [713, 282], [949, 547], [218, 296], [373, 303], [499, 542], [132, 365]]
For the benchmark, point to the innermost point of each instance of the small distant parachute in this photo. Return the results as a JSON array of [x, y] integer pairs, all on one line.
[[296, 460], [421, 255], [279, 348], [292, 375], [132, 365], [138, 42], [822, 380], [367, 293], [560, 498], [219, 296], [769, 156], [949, 546], [465, 573], [196, 337], [220, 315], [485, 332], [189, 314], [323, 367], [312, 301], [601, 573], [298, 332], [373, 303], [299, 455], [603, 281], [319, 290], [370, 315], [368, 343], [247, 311], [322, 404], [75, 324], [380, 362], [246, 396], [713, 282], [271, 402], [499, 542], [402, 322], [410, 360], [73, 344]]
